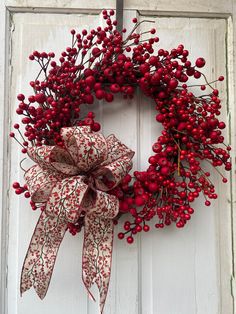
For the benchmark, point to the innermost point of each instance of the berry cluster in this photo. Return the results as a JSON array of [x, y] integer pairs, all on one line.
[[21, 189], [97, 66]]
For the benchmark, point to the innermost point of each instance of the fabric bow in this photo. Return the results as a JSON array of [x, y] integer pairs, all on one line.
[[71, 182]]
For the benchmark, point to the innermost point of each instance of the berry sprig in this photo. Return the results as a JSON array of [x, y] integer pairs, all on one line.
[[21, 189], [96, 67]]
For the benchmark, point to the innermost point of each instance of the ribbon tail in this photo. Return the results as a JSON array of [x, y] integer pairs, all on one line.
[[41, 255], [97, 254]]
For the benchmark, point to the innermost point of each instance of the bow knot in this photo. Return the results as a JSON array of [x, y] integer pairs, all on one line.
[[72, 182]]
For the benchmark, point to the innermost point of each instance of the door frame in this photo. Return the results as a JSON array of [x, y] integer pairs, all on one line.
[[216, 9]]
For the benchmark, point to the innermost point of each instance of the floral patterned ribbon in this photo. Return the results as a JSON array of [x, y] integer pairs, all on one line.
[[72, 181]]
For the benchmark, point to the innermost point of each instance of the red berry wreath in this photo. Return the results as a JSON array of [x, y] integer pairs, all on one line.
[[97, 66]]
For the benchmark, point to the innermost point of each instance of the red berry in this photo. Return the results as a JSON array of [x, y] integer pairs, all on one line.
[[200, 62], [152, 160], [109, 97], [15, 185], [89, 99], [156, 148], [91, 115], [197, 75], [146, 228], [96, 52], [128, 65], [115, 88], [90, 81], [100, 94], [221, 125], [20, 97], [40, 98], [130, 240], [153, 187], [165, 171], [138, 228], [173, 83], [31, 99], [133, 211], [144, 68], [138, 220], [160, 117], [153, 60], [19, 191], [26, 120], [88, 72], [27, 195], [139, 200], [96, 127], [121, 235], [36, 54]]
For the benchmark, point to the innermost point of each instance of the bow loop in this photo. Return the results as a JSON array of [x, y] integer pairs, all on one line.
[[48, 157], [116, 150], [87, 149], [40, 183], [109, 176]]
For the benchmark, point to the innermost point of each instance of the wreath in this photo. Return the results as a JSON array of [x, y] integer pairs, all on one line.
[[81, 179]]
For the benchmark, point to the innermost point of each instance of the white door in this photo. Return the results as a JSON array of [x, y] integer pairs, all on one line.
[[168, 271]]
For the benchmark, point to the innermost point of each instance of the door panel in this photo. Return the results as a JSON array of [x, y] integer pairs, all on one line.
[[49, 32], [166, 271], [184, 265]]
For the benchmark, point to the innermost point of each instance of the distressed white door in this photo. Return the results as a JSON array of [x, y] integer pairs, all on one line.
[[167, 271]]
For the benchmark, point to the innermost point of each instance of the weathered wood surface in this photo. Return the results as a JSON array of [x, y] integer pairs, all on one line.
[[165, 272]]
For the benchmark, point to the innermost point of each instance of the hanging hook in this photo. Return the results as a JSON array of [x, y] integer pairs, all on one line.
[[119, 14]]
